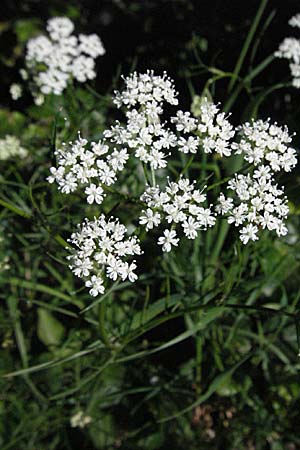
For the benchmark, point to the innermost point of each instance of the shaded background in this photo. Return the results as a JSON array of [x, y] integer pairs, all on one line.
[[159, 34], [172, 36]]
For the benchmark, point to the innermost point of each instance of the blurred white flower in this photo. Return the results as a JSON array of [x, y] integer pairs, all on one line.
[[10, 147], [80, 420], [53, 61], [15, 91], [290, 49]]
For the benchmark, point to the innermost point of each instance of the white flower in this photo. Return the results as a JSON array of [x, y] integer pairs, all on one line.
[[189, 145], [83, 68], [80, 420], [150, 219], [157, 159], [144, 88], [100, 249], [117, 159], [10, 147], [206, 217], [127, 271], [184, 122], [263, 143], [52, 62], [91, 45], [79, 166], [258, 203], [249, 233], [295, 21], [15, 91], [82, 267], [214, 131], [224, 204], [94, 194], [96, 285], [39, 99], [290, 50], [59, 27], [191, 227], [179, 204], [167, 240]]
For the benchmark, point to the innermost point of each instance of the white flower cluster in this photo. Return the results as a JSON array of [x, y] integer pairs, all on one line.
[[15, 91], [10, 147], [52, 61], [89, 167], [102, 250], [143, 132], [259, 204], [180, 203], [290, 50], [213, 130], [80, 420], [146, 89], [265, 143], [253, 204], [295, 21]]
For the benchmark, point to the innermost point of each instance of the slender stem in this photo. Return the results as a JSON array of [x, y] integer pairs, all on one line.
[[199, 346], [247, 43], [256, 71], [15, 209], [153, 177], [102, 329]]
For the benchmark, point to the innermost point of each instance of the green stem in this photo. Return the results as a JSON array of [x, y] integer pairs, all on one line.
[[247, 43], [102, 329], [153, 177], [199, 345], [186, 167], [15, 209], [256, 71]]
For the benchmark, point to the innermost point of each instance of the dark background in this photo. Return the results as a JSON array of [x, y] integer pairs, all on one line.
[[161, 35]]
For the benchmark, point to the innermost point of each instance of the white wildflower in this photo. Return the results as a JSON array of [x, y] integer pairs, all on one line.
[[178, 204], [295, 21], [94, 194], [10, 147], [15, 91], [80, 420], [257, 202], [290, 49], [64, 57], [213, 130], [80, 164], [249, 233], [100, 250], [167, 240], [265, 143], [149, 218]]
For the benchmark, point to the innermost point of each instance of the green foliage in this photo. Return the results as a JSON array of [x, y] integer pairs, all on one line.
[[202, 352]]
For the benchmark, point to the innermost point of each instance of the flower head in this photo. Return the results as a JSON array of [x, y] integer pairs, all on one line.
[[101, 250], [10, 147], [53, 61]]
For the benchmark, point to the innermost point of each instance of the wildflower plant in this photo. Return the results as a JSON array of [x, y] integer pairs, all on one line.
[[290, 49], [52, 62], [177, 207], [155, 275]]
